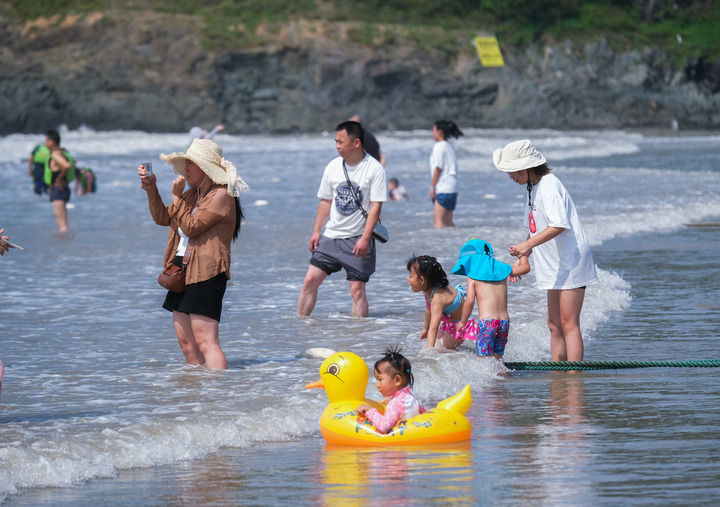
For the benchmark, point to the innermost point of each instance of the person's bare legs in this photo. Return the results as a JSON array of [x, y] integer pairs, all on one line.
[[571, 303], [564, 306], [308, 295], [442, 217], [359, 297], [206, 333], [186, 339], [446, 340], [438, 213], [557, 339], [60, 209]]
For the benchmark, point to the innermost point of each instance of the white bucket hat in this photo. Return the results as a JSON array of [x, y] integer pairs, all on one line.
[[517, 156], [208, 156]]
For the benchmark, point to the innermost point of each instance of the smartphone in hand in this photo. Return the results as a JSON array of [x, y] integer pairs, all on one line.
[[10, 244]]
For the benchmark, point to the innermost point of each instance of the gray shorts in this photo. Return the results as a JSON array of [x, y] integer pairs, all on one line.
[[331, 255]]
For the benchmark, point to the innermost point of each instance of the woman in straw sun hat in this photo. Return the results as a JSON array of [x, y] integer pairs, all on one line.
[[562, 260], [203, 221]]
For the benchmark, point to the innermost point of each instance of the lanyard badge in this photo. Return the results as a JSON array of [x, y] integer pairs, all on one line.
[[532, 222], [531, 218]]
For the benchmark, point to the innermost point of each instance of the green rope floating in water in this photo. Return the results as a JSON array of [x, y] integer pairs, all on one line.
[[610, 365]]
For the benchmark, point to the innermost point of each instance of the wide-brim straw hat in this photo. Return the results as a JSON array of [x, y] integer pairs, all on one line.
[[208, 156], [517, 156], [476, 261]]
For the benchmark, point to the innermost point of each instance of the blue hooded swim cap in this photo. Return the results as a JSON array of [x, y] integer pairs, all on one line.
[[476, 261]]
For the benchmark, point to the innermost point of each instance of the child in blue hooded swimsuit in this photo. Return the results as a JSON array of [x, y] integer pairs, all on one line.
[[487, 284]]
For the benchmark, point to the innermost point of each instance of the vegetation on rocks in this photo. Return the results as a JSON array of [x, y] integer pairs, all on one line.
[[686, 28]]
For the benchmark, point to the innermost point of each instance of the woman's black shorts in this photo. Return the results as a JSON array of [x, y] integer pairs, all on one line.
[[202, 298]]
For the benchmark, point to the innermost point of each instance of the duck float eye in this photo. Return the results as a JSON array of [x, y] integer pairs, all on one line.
[[333, 369]]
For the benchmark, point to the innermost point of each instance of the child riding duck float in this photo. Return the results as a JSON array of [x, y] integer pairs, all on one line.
[[344, 377]]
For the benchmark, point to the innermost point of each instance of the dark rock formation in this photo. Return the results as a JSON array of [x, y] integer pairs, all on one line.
[[148, 71]]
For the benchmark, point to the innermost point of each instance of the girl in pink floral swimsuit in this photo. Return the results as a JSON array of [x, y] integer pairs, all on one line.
[[443, 303], [394, 381]]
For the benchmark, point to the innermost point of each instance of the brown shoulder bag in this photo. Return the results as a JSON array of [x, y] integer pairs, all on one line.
[[173, 278]]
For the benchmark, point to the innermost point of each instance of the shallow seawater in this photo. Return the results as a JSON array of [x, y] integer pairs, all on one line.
[[97, 405]]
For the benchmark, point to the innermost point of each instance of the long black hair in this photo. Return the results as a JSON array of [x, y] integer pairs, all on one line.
[[399, 364], [430, 269], [239, 217], [448, 128]]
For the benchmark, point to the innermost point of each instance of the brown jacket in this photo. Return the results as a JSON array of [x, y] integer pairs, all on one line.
[[210, 230]]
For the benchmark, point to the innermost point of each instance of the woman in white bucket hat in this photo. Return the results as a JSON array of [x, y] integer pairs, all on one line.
[[203, 221], [562, 261]]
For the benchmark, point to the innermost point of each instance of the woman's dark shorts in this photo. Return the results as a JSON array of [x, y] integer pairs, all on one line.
[[447, 201], [59, 193], [202, 298]]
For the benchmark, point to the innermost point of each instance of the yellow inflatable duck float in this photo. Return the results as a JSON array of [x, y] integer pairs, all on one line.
[[344, 377]]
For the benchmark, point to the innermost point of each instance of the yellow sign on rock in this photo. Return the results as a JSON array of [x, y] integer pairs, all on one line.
[[488, 51]]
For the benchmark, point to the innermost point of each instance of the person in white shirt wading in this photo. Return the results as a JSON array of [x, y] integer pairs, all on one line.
[[347, 241], [443, 173], [562, 260]]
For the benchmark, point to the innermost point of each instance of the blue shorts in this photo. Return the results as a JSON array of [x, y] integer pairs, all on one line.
[[447, 201], [59, 193], [492, 337]]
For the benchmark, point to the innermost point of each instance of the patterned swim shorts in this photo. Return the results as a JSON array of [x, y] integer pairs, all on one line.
[[492, 337]]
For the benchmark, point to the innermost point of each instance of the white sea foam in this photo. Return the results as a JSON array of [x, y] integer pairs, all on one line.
[[554, 146], [86, 143], [600, 229], [73, 457]]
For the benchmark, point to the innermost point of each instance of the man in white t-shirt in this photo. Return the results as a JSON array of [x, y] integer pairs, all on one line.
[[347, 241]]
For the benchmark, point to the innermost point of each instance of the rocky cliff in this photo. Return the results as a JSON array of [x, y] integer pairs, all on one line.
[[149, 71]]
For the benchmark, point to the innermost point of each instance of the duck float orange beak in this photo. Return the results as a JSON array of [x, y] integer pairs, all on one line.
[[344, 377]]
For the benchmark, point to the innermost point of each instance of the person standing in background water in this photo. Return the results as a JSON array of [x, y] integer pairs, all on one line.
[[200, 133], [59, 172], [85, 182], [397, 191], [39, 157], [562, 260], [370, 142], [443, 173], [203, 221]]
